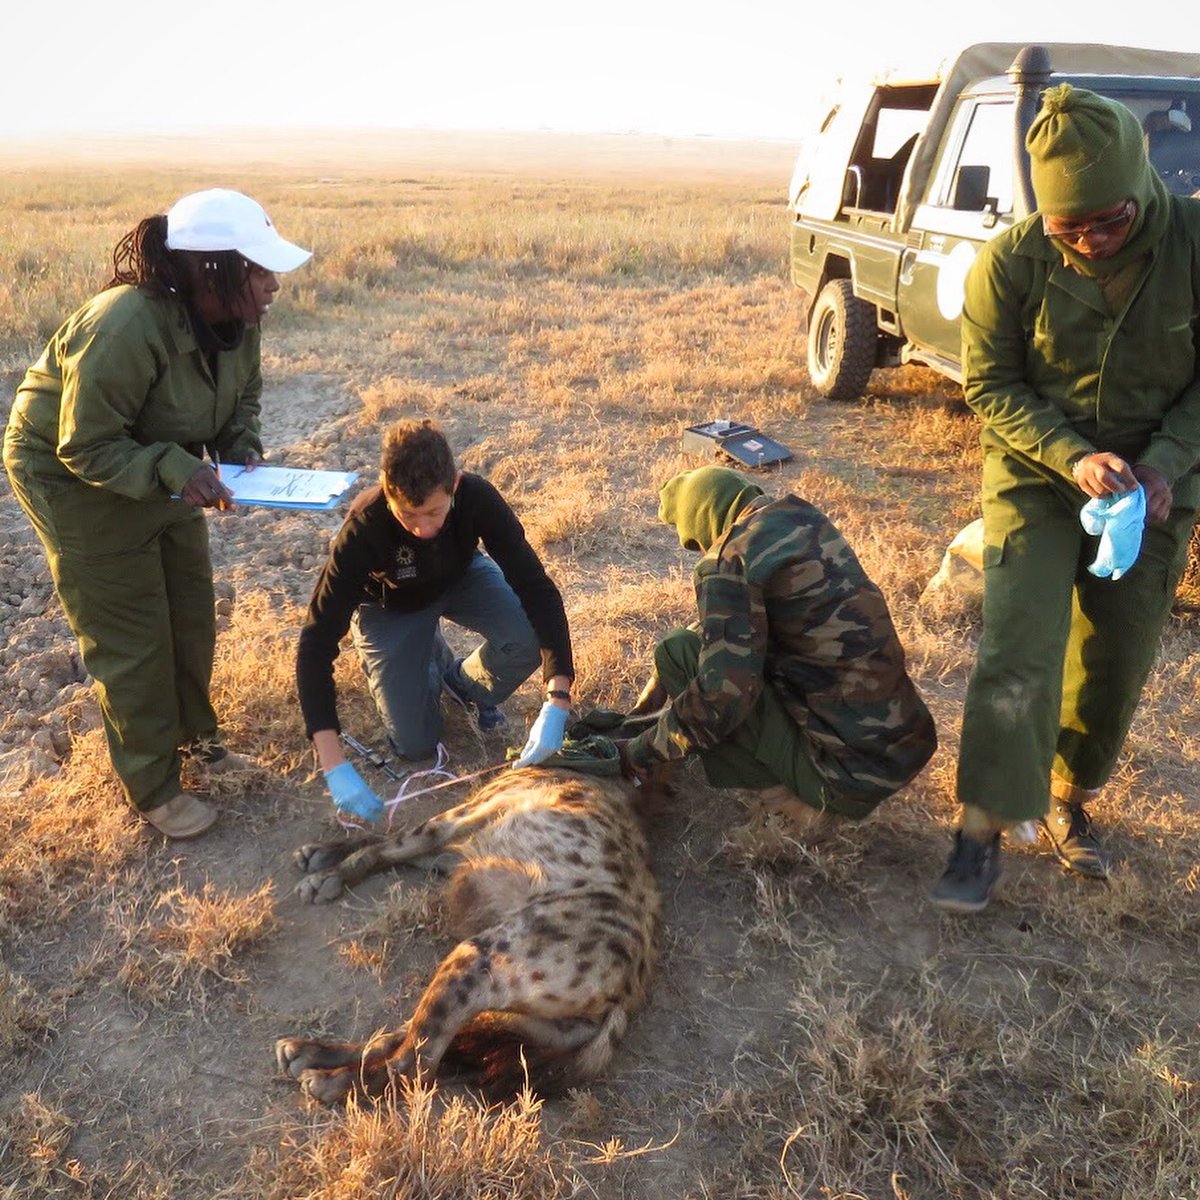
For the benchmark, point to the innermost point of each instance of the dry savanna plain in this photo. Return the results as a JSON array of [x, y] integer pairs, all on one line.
[[564, 307]]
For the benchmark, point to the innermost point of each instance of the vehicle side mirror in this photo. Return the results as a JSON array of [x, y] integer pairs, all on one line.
[[971, 188]]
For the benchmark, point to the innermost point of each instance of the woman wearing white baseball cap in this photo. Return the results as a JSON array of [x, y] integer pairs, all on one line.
[[106, 450]]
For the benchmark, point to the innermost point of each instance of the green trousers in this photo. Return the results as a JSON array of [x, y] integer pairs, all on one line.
[[765, 750], [1064, 655], [135, 581]]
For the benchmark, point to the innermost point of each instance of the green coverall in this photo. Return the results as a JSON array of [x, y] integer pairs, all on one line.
[[1057, 370], [107, 425]]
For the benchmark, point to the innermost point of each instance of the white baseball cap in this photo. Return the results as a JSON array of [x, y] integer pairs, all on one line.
[[220, 219]]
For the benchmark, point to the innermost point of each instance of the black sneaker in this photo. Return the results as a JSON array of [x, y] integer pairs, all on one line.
[[487, 718], [966, 885], [1069, 829]]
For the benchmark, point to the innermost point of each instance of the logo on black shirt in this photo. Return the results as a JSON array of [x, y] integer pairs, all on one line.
[[406, 556]]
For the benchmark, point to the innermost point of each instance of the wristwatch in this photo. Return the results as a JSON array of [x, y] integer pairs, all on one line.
[[557, 694]]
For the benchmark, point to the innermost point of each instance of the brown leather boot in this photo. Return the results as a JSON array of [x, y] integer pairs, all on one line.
[[216, 759], [1069, 828], [183, 816]]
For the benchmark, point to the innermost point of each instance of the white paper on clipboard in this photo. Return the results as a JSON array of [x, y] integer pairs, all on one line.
[[286, 487]]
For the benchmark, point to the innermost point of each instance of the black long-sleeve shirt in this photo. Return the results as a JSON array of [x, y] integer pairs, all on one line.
[[374, 558]]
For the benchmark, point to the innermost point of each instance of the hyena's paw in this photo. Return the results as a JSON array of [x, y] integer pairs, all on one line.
[[328, 1087], [405, 1065], [320, 856], [320, 887], [294, 1056]]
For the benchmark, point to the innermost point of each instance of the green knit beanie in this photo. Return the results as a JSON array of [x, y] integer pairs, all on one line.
[[1086, 153], [703, 504]]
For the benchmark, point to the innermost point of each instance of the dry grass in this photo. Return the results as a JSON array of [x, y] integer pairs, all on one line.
[[817, 1031], [438, 1148], [62, 838], [188, 943], [404, 914], [25, 1017]]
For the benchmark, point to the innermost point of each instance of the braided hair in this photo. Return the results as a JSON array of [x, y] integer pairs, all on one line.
[[141, 258]]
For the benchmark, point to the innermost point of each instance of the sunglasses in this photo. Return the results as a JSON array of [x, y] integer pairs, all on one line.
[[1078, 233]]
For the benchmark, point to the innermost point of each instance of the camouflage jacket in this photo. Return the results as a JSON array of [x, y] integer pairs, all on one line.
[[783, 602]]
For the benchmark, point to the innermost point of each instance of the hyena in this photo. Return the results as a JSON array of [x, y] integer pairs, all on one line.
[[557, 911]]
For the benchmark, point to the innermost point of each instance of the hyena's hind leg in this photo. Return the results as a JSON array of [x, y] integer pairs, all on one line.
[[330, 1071], [478, 976], [294, 1056]]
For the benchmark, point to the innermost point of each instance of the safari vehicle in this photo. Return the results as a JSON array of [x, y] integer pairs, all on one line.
[[906, 179]]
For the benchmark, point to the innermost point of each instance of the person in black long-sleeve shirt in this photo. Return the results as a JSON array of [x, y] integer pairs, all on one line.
[[407, 555]]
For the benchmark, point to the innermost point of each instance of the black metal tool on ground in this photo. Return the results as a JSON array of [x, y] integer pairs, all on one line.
[[372, 758]]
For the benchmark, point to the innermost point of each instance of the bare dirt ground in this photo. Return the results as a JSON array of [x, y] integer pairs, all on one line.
[[816, 1029]]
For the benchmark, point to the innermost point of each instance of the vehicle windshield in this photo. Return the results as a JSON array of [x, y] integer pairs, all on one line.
[[1171, 122]]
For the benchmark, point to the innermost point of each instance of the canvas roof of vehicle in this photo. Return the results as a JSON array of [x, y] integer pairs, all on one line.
[[955, 75]]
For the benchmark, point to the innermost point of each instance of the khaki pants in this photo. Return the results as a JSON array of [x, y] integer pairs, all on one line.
[[1064, 655], [135, 581]]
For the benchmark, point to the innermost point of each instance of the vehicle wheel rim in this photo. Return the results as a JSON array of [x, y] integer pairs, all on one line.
[[827, 341]]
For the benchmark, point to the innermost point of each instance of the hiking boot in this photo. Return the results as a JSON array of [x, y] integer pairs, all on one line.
[[487, 718], [807, 825], [183, 816], [966, 885], [1069, 829], [215, 758]]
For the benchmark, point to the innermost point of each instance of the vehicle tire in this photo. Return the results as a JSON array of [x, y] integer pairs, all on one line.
[[842, 342]]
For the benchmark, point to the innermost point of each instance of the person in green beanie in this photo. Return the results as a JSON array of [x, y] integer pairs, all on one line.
[[792, 684], [110, 448], [1079, 355]]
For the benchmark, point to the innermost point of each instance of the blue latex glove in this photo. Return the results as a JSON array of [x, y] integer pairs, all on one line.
[[546, 736], [1119, 520], [351, 794]]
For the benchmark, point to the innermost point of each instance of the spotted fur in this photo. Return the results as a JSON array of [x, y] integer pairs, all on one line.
[[557, 911]]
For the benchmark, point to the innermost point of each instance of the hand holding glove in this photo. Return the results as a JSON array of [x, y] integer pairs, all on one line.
[[1119, 521], [351, 795], [546, 736], [1159, 494]]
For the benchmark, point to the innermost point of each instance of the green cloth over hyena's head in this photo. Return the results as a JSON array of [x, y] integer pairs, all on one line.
[[703, 504]]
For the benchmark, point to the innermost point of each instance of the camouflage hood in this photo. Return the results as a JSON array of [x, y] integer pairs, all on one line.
[[703, 504]]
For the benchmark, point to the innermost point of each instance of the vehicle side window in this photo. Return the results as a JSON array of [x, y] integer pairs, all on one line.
[[893, 123], [983, 175]]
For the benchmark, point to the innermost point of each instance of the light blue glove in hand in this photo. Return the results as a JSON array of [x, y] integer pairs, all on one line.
[[1119, 520], [546, 736], [351, 794]]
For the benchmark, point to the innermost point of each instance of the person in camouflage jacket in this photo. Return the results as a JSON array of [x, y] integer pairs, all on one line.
[[793, 681]]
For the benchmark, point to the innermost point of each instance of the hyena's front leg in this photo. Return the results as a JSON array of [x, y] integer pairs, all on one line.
[[320, 856], [331, 872]]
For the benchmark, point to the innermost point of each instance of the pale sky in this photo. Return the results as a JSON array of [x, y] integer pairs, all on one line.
[[747, 68]]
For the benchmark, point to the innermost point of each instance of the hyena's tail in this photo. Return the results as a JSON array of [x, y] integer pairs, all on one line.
[[499, 1061]]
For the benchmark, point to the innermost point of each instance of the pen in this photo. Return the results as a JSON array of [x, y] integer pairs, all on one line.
[[223, 505]]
